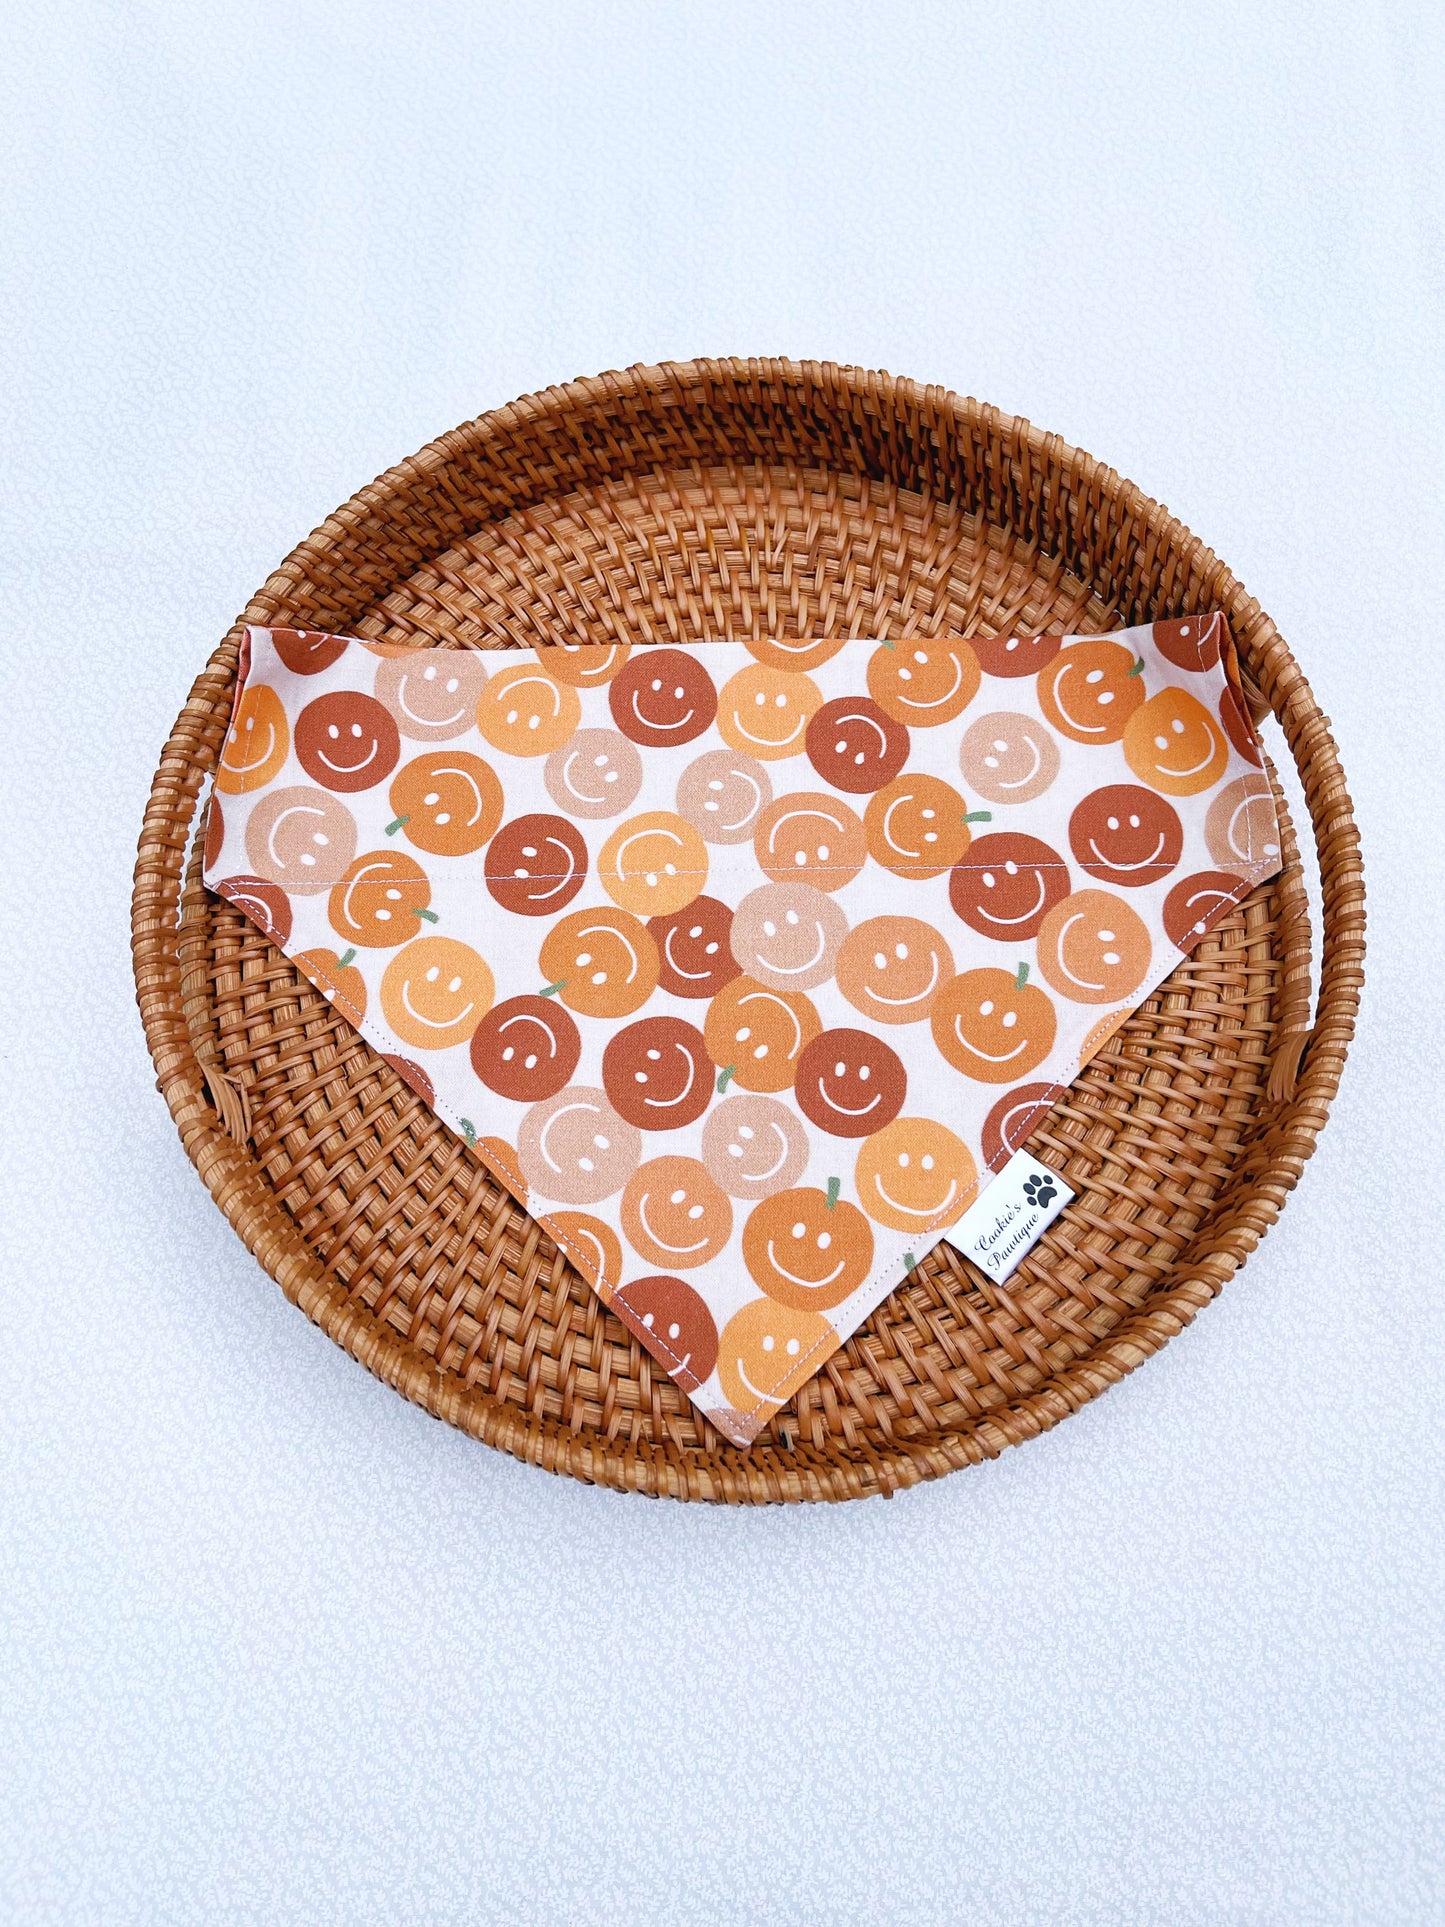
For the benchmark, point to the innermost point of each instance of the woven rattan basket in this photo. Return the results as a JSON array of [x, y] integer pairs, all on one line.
[[728, 499]]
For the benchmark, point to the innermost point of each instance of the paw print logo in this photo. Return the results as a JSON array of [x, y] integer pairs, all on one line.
[[1040, 1190]]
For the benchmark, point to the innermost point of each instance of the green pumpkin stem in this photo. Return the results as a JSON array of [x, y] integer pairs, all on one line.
[[392, 828], [1138, 668], [722, 1082], [552, 989], [1022, 977], [979, 816], [835, 1185], [909, 1260], [430, 915], [469, 1130], [343, 962]]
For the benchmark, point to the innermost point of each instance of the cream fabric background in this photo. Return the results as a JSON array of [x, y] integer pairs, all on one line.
[[272, 1644]]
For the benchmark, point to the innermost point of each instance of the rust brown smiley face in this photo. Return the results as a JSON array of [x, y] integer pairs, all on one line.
[[674, 1323], [347, 741], [1005, 885], [306, 652], [526, 1048], [694, 948], [855, 745], [658, 1074], [850, 1083], [661, 697], [535, 865], [1015, 655], [1125, 834]]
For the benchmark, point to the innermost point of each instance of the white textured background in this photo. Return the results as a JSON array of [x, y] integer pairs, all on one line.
[[274, 1646]]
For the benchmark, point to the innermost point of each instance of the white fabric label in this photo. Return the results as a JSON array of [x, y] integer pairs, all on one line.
[[1005, 1224]]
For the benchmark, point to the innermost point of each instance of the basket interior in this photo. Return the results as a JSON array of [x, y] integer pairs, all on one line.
[[390, 1233]]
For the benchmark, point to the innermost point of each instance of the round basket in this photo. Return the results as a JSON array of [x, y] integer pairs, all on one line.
[[723, 500]]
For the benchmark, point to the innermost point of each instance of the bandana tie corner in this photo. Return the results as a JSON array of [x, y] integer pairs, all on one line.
[[745, 966]]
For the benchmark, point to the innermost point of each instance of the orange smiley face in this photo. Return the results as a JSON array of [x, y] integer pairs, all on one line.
[[1173, 744], [585, 665], [794, 653], [915, 1176], [766, 1351], [812, 836], [449, 802], [992, 1026], [765, 712], [380, 900], [436, 992], [758, 1034], [602, 963], [806, 1249], [336, 979], [674, 1215], [257, 743], [526, 712], [1091, 689], [923, 684], [1094, 949], [890, 968], [917, 826], [592, 1246], [654, 864]]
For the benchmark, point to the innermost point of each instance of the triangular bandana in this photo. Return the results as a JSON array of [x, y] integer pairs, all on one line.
[[743, 965]]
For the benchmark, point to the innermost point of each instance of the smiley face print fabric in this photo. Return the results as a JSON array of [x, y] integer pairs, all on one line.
[[744, 966]]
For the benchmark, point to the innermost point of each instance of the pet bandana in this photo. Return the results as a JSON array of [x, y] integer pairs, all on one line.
[[744, 965]]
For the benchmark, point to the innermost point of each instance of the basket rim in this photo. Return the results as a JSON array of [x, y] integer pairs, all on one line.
[[1031, 461]]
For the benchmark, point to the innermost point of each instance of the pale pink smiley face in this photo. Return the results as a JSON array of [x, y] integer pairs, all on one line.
[[754, 1146], [723, 794], [595, 775], [574, 1147], [301, 838], [788, 935], [1008, 758], [432, 693]]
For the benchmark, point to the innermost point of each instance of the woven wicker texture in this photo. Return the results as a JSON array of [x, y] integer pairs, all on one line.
[[727, 499]]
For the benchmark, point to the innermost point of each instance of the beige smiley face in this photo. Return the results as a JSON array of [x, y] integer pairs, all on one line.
[[723, 794], [754, 1146], [788, 935], [575, 1148], [431, 693], [1242, 826], [595, 775], [1008, 758], [302, 838]]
